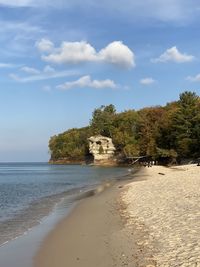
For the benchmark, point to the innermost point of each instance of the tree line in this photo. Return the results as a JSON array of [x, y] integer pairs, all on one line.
[[160, 132]]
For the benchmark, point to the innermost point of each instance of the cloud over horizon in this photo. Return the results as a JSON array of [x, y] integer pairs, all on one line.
[[86, 81], [174, 55], [115, 53]]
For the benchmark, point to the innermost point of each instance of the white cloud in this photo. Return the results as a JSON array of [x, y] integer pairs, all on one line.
[[147, 81], [43, 76], [194, 78], [174, 55], [86, 81], [44, 45], [72, 52], [119, 54], [30, 70], [115, 53]]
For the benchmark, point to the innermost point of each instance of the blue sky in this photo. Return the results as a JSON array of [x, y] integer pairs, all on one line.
[[59, 60]]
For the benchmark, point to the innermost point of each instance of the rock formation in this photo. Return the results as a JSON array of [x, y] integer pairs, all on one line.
[[102, 149]]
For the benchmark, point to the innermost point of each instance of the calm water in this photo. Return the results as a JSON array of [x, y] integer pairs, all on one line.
[[29, 191]]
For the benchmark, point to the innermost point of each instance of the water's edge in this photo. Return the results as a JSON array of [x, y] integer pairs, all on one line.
[[56, 208]]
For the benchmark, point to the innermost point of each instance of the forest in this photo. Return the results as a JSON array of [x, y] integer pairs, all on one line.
[[170, 132]]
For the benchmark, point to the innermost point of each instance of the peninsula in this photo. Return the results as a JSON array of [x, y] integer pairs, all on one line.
[[167, 134]]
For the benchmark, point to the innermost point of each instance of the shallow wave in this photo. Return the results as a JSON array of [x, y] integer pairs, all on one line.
[[39, 194], [25, 219]]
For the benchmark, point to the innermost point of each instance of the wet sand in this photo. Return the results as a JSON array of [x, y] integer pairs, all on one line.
[[151, 221], [92, 235]]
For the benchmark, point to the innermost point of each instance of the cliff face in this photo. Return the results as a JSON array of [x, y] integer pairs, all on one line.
[[102, 149]]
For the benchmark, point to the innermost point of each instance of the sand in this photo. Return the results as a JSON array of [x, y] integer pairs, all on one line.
[[151, 221], [91, 236], [164, 213]]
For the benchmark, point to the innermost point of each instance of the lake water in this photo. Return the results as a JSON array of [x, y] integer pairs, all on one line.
[[30, 191]]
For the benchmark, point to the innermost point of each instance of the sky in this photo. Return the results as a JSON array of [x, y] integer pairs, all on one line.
[[59, 60]]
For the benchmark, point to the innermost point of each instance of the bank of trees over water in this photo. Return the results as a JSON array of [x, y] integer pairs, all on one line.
[[171, 131]]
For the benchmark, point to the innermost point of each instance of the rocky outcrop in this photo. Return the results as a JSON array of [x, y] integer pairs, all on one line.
[[102, 149]]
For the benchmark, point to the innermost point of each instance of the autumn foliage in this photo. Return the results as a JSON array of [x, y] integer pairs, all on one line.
[[171, 131]]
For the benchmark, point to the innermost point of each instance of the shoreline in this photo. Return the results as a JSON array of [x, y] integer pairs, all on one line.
[[25, 246], [40, 206], [151, 220], [91, 232]]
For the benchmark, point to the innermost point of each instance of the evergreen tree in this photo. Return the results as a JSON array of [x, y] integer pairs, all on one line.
[[159, 132]]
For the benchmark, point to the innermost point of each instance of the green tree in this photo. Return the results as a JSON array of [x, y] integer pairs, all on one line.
[[102, 120], [159, 132], [125, 133], [70, 145], [185, 125], [149, 126]]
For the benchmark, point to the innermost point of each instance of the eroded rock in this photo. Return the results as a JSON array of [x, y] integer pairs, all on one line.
[[101, 148]]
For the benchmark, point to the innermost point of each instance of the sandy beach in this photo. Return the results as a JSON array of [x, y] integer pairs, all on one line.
[[164, 214], [154, 220], [92, 235]]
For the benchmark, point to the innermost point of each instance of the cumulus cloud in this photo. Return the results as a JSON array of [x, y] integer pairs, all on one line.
[[118, 53], [194, 78], [147, 81], [86, 81], [115, 53], [174, 55], [72, 52]]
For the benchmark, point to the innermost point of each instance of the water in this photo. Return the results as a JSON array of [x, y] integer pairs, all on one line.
[[30, 191]]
